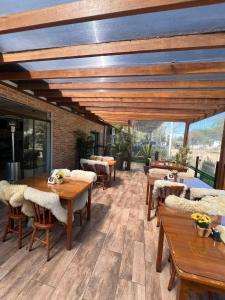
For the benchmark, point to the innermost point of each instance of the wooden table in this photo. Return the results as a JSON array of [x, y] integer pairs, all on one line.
[[199, 262], [68, 191], [112, 166], [190, 183], [168, 166]]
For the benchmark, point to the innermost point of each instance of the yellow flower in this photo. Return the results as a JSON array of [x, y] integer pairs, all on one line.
[[196, 216], [207, 219]]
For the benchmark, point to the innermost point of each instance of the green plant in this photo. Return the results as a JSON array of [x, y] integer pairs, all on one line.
[[84, 144], [146, 152], [182, 156]]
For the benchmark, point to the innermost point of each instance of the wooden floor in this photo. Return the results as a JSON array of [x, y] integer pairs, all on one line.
[[113, 256]]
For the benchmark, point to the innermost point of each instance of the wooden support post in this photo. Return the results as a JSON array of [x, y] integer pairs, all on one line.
[[186, 133], [221, 164], [130, 147], [196, 166]]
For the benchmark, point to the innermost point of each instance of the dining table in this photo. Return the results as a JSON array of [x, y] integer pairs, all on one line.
[[199, 262], [189, 182], [166, 165], [68, 191]]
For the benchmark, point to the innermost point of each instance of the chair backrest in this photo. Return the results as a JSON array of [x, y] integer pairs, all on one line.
[[171, 190], [42, 214], [87, 176], [87, 167], [100, 169]]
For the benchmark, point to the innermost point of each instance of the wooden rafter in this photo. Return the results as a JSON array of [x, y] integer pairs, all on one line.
[[144, 105], [148, 94], [89, 10], [172, 84], [156, 70], [174, 43]]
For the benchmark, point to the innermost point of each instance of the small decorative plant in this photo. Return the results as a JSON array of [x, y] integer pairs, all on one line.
[[182, 156], [202, 224], [146, 152], [175, 174]]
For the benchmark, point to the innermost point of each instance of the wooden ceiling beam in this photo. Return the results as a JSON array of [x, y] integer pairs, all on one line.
[[90, 10], [187, 112], [183, 84], [133, 94], [144, 105], [174, 43], [202, 101], [156, 70]]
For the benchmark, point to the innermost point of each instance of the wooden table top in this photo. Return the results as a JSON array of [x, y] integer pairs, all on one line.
[[68, 190], [161, 165], [198, 259], [111, 162]]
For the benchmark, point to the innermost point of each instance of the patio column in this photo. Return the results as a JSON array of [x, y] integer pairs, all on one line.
[[130, 140], [186, 133], [221, 164]]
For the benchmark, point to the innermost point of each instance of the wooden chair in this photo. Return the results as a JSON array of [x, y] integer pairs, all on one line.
[[15, 215], [43, 220], [163, 193], [102, 176]]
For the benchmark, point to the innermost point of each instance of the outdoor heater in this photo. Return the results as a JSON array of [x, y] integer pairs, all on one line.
[[13, 167]]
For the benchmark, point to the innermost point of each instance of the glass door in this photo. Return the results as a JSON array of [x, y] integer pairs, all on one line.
[[37, 147]]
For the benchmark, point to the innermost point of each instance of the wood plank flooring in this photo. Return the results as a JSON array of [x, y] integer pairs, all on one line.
[[113, 256]]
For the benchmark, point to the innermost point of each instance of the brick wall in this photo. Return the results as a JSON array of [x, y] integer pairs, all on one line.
[[63, 126]]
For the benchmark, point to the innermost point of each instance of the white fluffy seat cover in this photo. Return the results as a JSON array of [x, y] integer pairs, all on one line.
[[189, 174], [91, 177], [107, 158], [156, 171], [48, 200], [199, 193], [12, 193], [87, 161], [159, 184], [208, 205]]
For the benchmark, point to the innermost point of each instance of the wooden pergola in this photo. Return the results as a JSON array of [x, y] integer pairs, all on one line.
[[200, 95]]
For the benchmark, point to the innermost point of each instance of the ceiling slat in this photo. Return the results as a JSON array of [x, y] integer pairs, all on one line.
[[171, 69], [89, 10], [174, 43]]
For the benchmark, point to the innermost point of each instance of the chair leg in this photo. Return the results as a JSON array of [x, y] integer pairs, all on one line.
[[32, 238], [48, 244], [172, 276], [81, 218], [20, 233], [6, 230]]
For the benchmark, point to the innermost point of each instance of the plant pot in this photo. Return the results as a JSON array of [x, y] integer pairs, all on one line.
[[203, 232], [146, 169]]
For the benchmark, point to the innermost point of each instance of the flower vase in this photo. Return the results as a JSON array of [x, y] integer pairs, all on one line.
[[203, 232], [59, 181]]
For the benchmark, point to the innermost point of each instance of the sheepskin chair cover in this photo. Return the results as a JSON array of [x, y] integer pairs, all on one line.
[[159, 184], [96, 157], [87, 161], [107, 158], [156, 171], [104, 163], [12, 193], [208, 205], [199, 193], [48, 200], [91, 177], [189, 174]]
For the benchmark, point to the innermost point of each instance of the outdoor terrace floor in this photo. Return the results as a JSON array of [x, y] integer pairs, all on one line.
[[113, 256]]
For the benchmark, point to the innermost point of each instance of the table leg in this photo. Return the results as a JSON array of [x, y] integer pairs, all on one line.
[[160, 249], [69, 226], [150, 204], [89, 204], [147, 192], [182, 290]]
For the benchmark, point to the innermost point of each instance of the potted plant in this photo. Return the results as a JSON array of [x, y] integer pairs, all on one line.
[[182, 156], [202, 224], [146, 152]]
